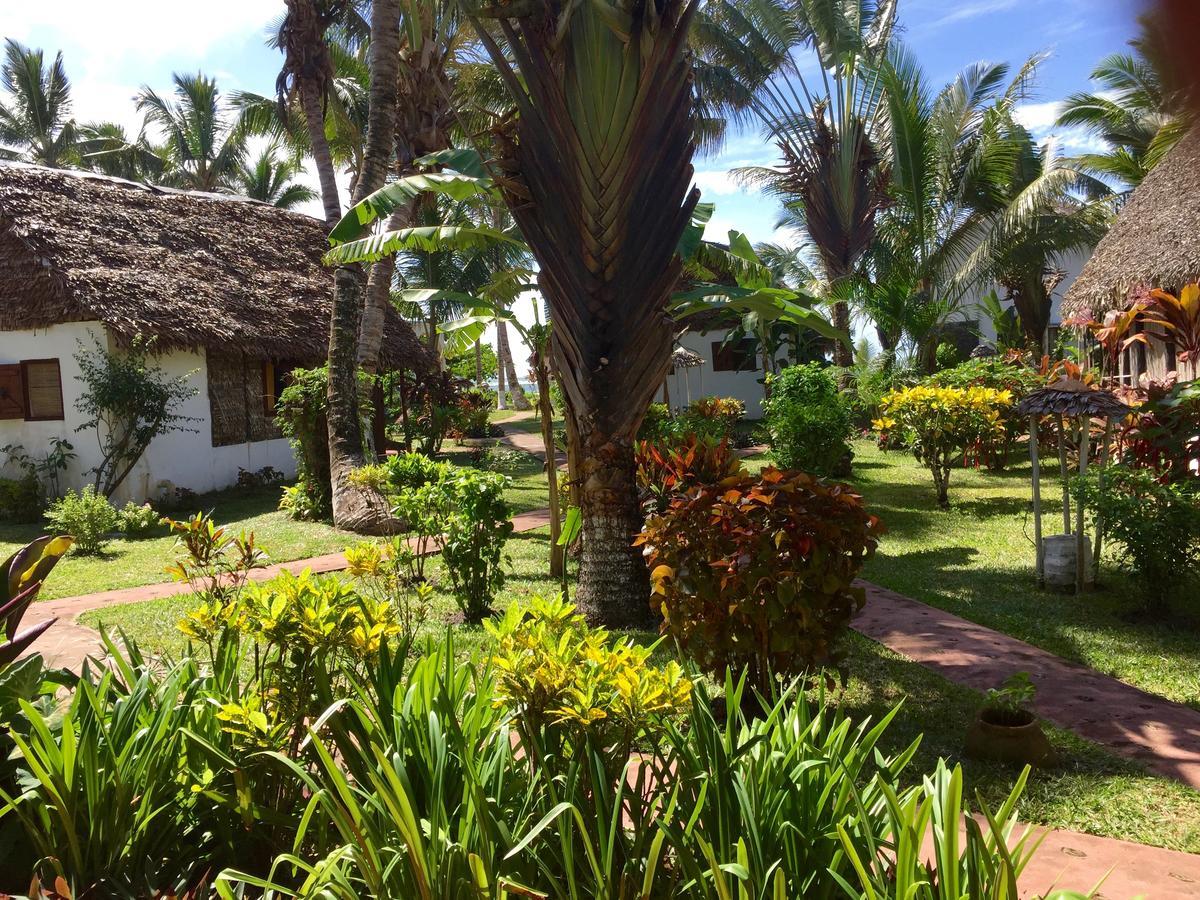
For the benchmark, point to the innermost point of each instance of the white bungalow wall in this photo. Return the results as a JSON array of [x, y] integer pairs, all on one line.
[[180, 459], [704, 381]]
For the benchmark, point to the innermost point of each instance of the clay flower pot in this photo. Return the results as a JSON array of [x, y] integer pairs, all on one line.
[[1018, 740]]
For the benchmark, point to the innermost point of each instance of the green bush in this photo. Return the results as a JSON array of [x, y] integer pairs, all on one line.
[[87, 516], [472, 418], [808, 422], [1155, 526], [946, 356], [998, 375], [137, 521], [21, 499], [478, 523], [757, 572]]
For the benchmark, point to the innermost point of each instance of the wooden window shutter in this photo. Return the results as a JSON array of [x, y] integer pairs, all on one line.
[[43, 390], [12, 393]]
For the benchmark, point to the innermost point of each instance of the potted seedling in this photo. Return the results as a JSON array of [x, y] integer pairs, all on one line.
[[1006, 729]]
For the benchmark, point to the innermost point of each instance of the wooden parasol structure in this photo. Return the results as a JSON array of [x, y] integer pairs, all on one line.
[[1069, 402], [682, 358]]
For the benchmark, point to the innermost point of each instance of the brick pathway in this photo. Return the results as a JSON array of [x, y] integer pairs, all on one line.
[[1163, 736]]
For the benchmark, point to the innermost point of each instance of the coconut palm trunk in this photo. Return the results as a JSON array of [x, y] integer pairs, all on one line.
[[353, 508], [314, 120], [597, 175], [519, 400]]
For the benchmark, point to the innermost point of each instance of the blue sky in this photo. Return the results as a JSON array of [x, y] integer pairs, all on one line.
[[114, 46]]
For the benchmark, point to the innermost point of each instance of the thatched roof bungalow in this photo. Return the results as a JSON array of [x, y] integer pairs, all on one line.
[[233, 292], [1154, 243]]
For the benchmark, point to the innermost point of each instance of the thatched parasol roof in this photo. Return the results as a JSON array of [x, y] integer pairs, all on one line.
[[192, 270], [1154, 242], [1070, 397], [683, 358]]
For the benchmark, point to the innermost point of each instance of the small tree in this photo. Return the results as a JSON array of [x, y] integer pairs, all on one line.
[[129, 402]]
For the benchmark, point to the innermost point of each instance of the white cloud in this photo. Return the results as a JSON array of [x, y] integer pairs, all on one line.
[[973, 10], [132, 32], [715, 181], [1038, 117]]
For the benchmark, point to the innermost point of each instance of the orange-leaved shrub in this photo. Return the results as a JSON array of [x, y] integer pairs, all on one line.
[[665, 469], [757, 572]]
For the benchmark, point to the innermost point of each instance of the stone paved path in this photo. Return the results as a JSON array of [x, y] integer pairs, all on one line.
[[1163, 736]]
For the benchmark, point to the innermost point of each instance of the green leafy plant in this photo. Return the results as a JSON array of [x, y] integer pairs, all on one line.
[[478, 523], [1011, 375], [128, 401], [1155, 526], [940, 424], [757, 572], [87, 516], [1010, 703], [381, 570], [213, 562], [665, 470], [137, 520], [505, 460], [21, 499], [808, 422]]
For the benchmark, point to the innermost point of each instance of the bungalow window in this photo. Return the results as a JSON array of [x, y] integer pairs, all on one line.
[[31, 390], [735, 356], [276, 377]]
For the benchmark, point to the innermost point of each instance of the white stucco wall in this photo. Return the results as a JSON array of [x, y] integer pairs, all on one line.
[[1072, 265], [185, 458], [703, 381]]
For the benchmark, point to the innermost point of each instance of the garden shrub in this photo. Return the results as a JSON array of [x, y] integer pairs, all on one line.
[[300, 412], [946, 356], [1155, 525], [382, 571], [21, 499], [999, 374], [757, 572], [503, 459], [472, 416], [808, 422], [137, 520], [87, 516], [554, 672], [724, 412], [399, 472], [940, 425], [1163, 433], [657, 423], [666, 470], [478, 523]]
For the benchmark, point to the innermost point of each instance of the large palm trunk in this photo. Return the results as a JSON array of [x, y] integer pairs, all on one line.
[[598, 181], [353, 508], [314, 120]]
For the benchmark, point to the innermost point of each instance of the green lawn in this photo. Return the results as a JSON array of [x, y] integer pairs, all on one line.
[[132, 563], [977, 560], [1090, 791]]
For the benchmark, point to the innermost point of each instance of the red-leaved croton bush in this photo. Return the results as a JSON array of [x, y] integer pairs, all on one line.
[[757, 572], [665, 470]]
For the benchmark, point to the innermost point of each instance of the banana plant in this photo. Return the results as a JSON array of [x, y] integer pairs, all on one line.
[[21, 578], [761, 302]]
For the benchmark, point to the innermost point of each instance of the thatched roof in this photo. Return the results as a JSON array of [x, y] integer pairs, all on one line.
[[683, 358], [1154, 242], [192, 270], [1071, 397]]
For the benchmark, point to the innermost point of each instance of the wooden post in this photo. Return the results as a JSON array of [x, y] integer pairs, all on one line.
[[1066, 478], [1085, 434], [1096, 545], [1037, 501]]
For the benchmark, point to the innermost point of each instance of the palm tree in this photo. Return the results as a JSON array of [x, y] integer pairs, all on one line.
[[106, 147], [269, 178], [35, 121], [353, 508], [753, 64], [307, 76], [1136, 113], [431, 35], [596, 171], [205, 147]]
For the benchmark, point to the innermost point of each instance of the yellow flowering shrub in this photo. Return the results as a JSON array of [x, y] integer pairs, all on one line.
[[939, 424], [552, 670]]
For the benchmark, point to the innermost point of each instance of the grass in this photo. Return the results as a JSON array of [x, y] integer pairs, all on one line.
[[1091, 790], [976, 560], [126, 563]]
